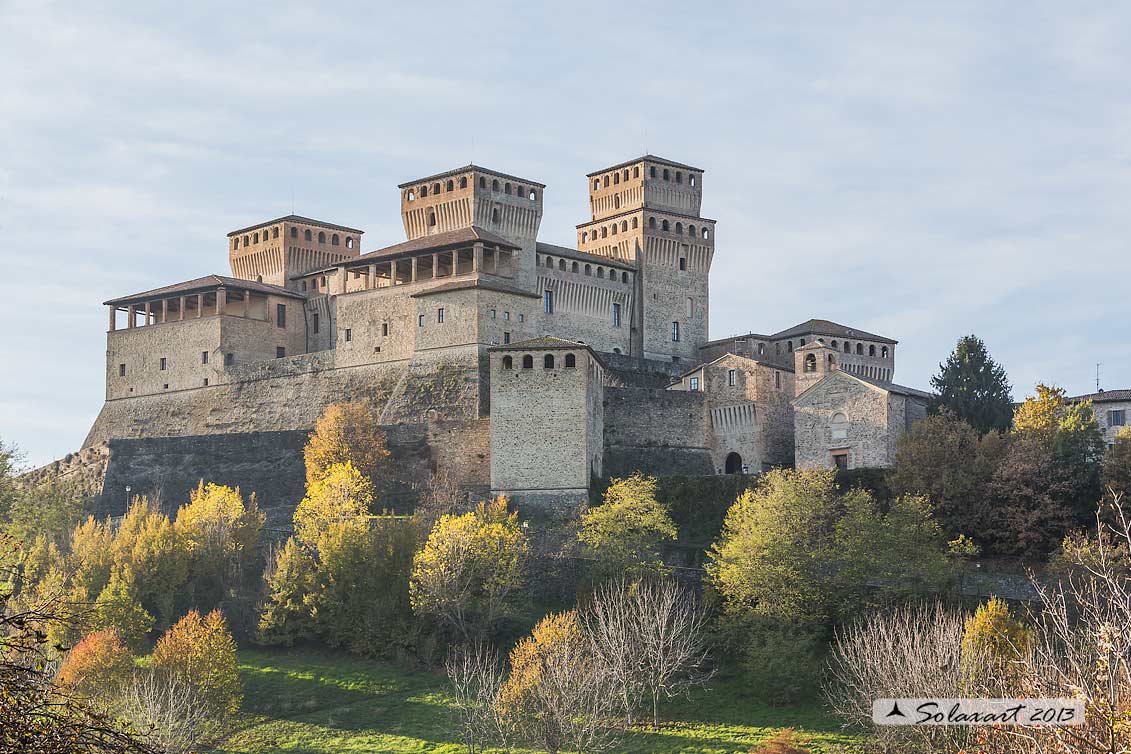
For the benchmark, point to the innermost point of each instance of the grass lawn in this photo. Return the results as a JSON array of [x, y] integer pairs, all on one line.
[[301, 701]]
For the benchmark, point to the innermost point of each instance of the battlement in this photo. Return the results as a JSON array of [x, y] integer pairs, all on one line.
[[648, 182], [275, 250]]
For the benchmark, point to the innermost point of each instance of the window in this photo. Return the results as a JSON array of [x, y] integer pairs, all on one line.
[[570, 361], [280, 352], [334, 240], [463, 182], [777, 380], [506, 337], [121, 370], [294, 232], [884, 352], [859, 349], [616, 315], [306, 235], [164, 363], [349, 334], [280, 315], [204, 357], [440, 315], [675, 332], [385, 329], [229, 359], [166, 386], [420, 321], [1116, 417], [527, 362], [316, 321], [521, 317], [491, 313], [548, 301], [847, 347], [205, 382], [840, 459], [349, 242], [839, 426], [664, 225], [693, 384], [508, 362], [810, 363], [548, 361], [732, 377], [871, 350]]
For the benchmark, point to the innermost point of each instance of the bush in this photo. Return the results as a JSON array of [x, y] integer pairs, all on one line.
[[623, 535], [200, 652], [118, 608], [348, 433], [782, 661], [291, 580], [340, 493], [98, 666]]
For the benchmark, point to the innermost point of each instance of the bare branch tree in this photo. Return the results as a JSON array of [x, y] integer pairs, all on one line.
[[166, 707], [476, 677]]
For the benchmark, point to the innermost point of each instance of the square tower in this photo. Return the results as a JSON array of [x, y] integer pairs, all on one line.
[[647, 211], [277, 250]]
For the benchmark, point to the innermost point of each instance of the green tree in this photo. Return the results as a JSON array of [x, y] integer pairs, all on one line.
[[1117, 465], [91, 557], [974, 387], [471, 569], [624, 534], [9, 489], [118, 608], [220, 535], [49, 510], [339, 494], [149, 547], [291, 580], [945, 459]]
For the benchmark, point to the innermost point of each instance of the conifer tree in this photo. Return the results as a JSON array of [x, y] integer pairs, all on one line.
[[974, 387]]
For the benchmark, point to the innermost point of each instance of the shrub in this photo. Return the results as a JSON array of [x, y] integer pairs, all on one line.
[[339, 494], [992, 634], [348, 433], [150, 549], [625, 532], [118, 608], [291, 580], [782, 661], [220, 534], [99, 665], [200, 652]]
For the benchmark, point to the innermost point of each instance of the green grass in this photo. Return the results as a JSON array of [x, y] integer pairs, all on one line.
[[302, 701]]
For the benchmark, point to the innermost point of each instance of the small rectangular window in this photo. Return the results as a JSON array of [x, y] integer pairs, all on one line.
[[281, 315], [506, 337], [229, 359], [777, 380], [164, 363], [349, 334], [491, 313], [506, 316], [731, 376], [205, 382], [317, 322], [420, 320], [675, 332], [165, 386], [548, 301], [280, 352], [694, 384], [385, 329], [204, 357], [1116, 417], [440, 315], [121, 370], [683, 263], [616, 315], [521, 317]]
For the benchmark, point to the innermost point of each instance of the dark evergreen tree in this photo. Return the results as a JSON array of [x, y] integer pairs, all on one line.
[[974, 387]]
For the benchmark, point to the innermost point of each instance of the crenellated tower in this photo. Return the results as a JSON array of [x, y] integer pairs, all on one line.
[[278, 250], [647, 211], [506, 205]]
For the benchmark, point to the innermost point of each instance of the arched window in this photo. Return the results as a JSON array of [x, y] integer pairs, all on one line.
[[636, 172], [884, 352], [549, 261], [810, 363], [255, 237], [575, 267], [667, 176], [635, 223], [832, 361], [548, 361], [652, 171], [494, 185], [872, 350], [706, 233], [435, 188], [604, 231], [321, 237], [623, 225], [533, 195], [616, 179], [601, 272], [596, 183], [589, 270], [410, 195], [274, 232], [246, 241], [614, 229], [508, 362], [679, 229], [561, 265], [506, 188], [691, 230], [605, 181], [349, 242], [651, 222], [624, 277], [859, 349], [616, 202], [294, 232], [789, 346], [833, 344], [307, 235], [495, 215], [570, 361], [527, 362], [585, 237], [431, 219], [482, 182], [236, 242], [691, 179], [847, 347], [664, 225], [423, 191], [451, 186], [463, 182], [839, 426], [626, 174], [678, 177], [519, 191], [334, 240]]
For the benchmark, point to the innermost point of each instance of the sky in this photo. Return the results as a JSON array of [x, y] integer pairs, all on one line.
[[919, 170]]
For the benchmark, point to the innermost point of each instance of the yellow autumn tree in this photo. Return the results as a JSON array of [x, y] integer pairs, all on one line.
[[340, 494], [220, 534], [348, 433], [148, 546], [1042, 413], [199, 651]]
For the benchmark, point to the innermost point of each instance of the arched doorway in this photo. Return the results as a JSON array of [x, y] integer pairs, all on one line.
[[734, 464]]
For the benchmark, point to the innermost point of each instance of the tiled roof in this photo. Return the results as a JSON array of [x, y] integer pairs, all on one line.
[[584, 256], [747, 336], [891, 387], [649, 158], [825, 327], [206, 282], [1104, 396], [466, 168], [296, 219], [486, 284], [543, 343], [458, 237]]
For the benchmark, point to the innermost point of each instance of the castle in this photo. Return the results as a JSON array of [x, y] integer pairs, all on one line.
[[519, 367]]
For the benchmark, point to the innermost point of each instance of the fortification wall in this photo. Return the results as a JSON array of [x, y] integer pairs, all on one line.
[[657, 431]]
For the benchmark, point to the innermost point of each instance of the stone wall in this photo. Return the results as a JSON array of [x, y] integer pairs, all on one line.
[[661, 432]]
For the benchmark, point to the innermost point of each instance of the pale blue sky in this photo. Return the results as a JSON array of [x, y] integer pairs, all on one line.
[[921, 170]]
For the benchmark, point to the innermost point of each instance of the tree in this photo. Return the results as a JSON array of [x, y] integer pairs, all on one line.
[[118, 608], [220, 534], [49, 510], [348, 433], [625, 532], [10, 458], [291, 580], [167, 708], [200, 652], [148, 546], [342, 493], [1117, 465], [974, 387], [993, 637], [470, 570], [556, 695], [98, 666], [476, 679], [91, 558], [945, 459]]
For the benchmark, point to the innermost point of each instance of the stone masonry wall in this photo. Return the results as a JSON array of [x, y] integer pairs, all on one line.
[[657, 431]]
